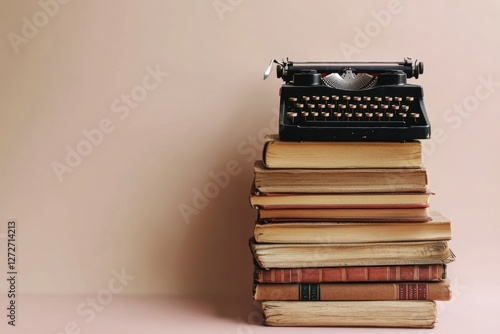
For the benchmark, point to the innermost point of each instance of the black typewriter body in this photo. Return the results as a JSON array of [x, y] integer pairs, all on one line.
[[351, 102]]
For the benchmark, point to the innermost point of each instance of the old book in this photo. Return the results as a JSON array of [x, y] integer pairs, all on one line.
[[356, 254], [439, 228], [339, 180], [259, 200], [346, 215], [354, 291], [398, 313], [432, 272], [306, 154]]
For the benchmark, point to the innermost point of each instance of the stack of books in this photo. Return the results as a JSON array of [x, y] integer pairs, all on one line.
[[345, 235]]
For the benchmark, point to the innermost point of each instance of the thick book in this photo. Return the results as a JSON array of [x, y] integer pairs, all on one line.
[[306, 154], [339, 180], [259, 200], [439, 228], [432, 272], [346, 215], [387, 313], [346, 255], [354, 291]]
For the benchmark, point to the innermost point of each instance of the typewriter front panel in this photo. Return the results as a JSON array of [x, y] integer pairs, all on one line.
[[382, 113]]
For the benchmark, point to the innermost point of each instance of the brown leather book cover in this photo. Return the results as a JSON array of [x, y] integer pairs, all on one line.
[[354, 291], [434, 272]]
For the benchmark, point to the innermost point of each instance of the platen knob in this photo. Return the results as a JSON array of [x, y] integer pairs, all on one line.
[[419, 69]]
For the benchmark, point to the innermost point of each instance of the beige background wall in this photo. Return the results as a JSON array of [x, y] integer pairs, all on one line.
[[160, 97]]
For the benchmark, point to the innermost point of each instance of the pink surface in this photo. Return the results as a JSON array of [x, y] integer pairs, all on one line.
[[473, 311]]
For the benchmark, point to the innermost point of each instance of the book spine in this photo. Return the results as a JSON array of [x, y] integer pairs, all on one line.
[[353, 291], [351, 274], [268, 141]]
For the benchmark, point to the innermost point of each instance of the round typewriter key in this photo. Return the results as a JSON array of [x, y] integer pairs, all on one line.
[[353, 106], [395, 107], [335, 98], [398, 98], [369, 114], [305, 98], [325, 98], [337, 114], [348, 115], [292, 115], [363, 106], [403, 114], [384, 106], [325, 114], [292, 99], [356, 98], [298, 107], [311, 105], [315, 98], [321, 106], [359, 114], [389, 115], [346, 97], [415, 115], [379, 114], [304, 113], [373, 106], [377, 99], [342, 106], [367, 98], [388, 98], [410, 98], [405, 107], [331, 106]]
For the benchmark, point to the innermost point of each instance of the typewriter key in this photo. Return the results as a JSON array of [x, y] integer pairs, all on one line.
[[292, 115]]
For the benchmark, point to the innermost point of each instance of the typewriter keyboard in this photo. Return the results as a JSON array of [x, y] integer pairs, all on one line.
[[347, 108], [380, 113]]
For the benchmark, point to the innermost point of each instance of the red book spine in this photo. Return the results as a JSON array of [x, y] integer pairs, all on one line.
[[352, 274]]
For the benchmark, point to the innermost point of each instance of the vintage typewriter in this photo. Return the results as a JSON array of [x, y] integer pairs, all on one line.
[[365, 101]]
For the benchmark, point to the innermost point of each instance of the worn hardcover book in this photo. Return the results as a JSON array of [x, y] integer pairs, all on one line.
[[387, 313], [354, 291], [439, 228], [354, 254], [346, 215], [308, 154], [260, 200], [339, 180], [431, 272]]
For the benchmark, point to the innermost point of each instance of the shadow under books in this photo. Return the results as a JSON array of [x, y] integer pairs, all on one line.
[[218, 265]]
